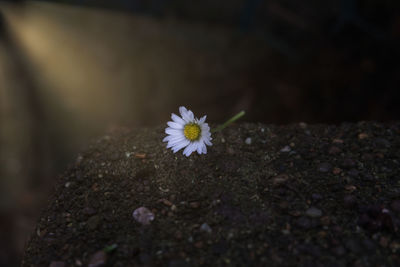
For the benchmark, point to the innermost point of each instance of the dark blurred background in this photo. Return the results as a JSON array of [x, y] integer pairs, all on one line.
[[73, 70]]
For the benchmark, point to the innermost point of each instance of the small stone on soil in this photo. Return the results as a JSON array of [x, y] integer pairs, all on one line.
[[325, 167], [334, 150], [194, 205], [57, 264], [314, 212], [143, 215], [166, 202], [353, 173], [316, 196], [286, 149], [362, 136], [248, 141], [350, 188], [336, 170], [280, 179], [98, 259], [205, 228]]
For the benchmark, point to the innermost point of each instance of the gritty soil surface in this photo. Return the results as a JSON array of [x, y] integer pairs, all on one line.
[[297, 195]]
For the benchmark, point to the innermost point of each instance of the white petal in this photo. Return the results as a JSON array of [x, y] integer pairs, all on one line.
[[202, 119], [207, 141], [204, 149], [174, 132], [187, 115], [200, 147], [182, 109], [175, 125], [205, 128], [177, 119], [189, 149], [170, 138], [180, 146], [176, 142], [176, 139]]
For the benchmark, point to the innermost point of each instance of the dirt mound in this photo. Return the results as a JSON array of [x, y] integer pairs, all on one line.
[[278, 195]]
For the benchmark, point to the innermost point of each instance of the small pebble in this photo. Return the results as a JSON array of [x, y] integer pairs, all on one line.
[[353, 173], [336, 170], [248, 141], [79, 159], [286, 149], [205, 228], [295, 213], [362, 136], [57, 264], [314, 212], [325, 167], [334, 150], [350, 188], [316, 197], [303, 125], [194, 205], [280, 179], [98, 259], [166, 202], [143, 215], [394, 246], [140, 155]]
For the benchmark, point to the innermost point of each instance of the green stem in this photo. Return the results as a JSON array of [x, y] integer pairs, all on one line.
[[110, 248], [228, 122]]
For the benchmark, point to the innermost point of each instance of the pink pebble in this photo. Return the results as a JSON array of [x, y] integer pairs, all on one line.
[[143, 215]]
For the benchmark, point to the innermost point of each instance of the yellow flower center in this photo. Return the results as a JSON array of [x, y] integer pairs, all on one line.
[[192, 131]]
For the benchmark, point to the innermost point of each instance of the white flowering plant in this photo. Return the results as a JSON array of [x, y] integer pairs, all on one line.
[[191, 133]]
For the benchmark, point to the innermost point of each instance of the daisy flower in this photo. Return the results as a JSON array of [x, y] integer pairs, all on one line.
[[188, 132]]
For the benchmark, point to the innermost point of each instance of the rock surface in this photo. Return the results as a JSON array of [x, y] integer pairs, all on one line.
[[241, 204]]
